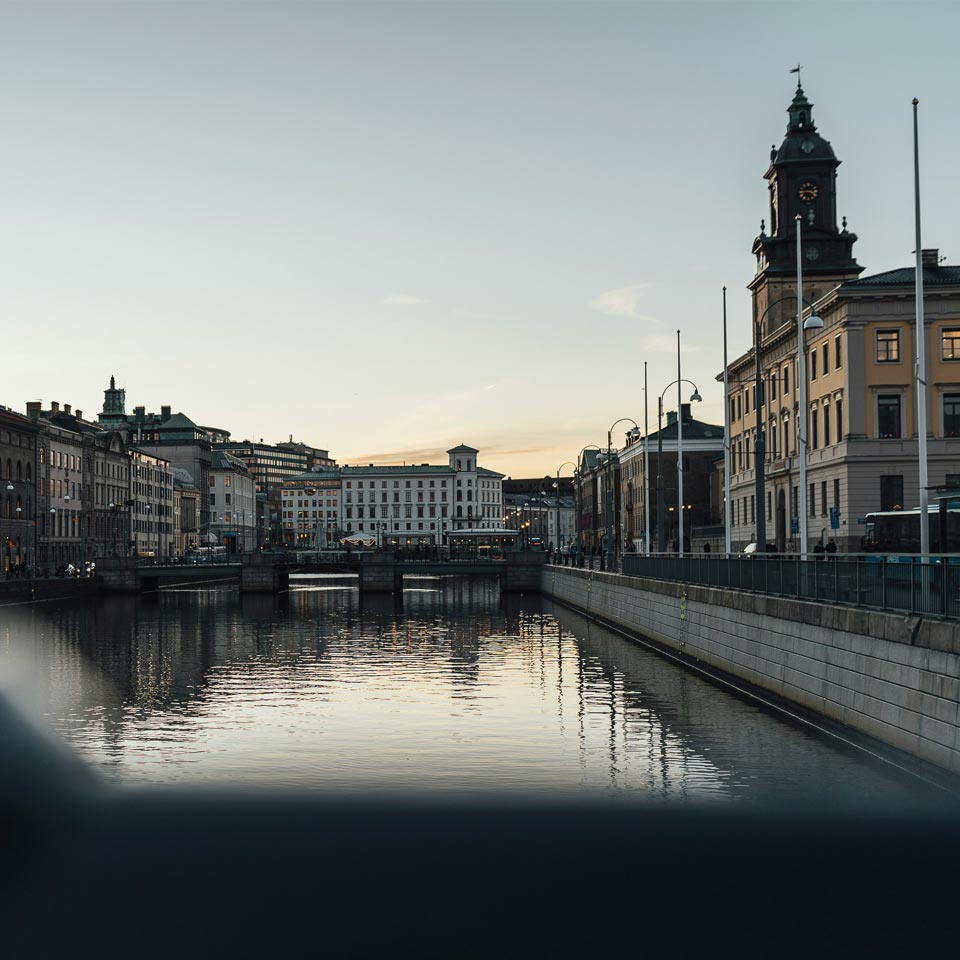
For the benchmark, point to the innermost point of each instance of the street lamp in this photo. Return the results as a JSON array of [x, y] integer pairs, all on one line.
[[557, 485], [813, 322], [661, 517], [635, 432]]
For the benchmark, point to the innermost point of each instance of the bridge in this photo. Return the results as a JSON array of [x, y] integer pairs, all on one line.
[[378, 572]]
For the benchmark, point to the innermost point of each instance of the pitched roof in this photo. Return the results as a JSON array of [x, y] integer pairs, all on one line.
[[220, 460], [178, 421], [903, 277], [463, 448], [692, 430], [484, 472]]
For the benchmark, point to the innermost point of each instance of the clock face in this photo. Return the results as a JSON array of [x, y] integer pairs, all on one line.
[[808, 191], [807, 146], [812, 253]]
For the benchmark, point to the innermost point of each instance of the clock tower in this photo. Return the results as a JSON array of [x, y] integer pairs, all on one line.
[[802, 179]]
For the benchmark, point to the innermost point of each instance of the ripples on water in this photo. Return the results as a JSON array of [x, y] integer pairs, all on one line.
[[453, 690]]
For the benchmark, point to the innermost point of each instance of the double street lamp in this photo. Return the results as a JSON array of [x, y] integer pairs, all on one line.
[[556, 485], [813, 322], [661, 511], [635, 433]]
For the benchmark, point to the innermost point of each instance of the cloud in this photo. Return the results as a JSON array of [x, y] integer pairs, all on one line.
[[401, 300], [623, 302]]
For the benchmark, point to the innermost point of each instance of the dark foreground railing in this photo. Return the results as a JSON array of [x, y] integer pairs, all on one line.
[[900, 583]]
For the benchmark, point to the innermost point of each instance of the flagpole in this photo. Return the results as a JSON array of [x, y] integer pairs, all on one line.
[[646, 465], [726, 435], [920, 365]]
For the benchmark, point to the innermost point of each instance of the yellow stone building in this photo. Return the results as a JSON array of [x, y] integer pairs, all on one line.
[[861, 426]]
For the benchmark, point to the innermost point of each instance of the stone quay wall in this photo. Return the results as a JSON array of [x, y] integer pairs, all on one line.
[[66, 588], [895, 679]]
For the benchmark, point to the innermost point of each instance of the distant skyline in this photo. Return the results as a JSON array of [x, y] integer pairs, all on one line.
[[389, 228]]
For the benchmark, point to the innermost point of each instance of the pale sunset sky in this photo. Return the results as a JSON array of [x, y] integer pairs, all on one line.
[[389, 228]]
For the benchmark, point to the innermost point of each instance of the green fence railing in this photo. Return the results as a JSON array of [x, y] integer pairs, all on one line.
[[901, 583]]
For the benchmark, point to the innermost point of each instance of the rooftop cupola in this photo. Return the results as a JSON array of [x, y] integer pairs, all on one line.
[[800, 113]]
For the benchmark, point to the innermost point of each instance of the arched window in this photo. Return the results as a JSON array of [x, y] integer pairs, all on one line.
[[43, 455], [470, 512], [458, 464], [9, 469], [29, 508], [459, 511], [29, 473], [19, 470]]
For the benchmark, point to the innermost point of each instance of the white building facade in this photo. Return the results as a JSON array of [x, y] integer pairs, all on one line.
[[310, 510], [233, 504], [423, 504]]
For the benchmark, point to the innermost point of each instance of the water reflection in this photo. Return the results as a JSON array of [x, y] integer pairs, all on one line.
[[449, 688]]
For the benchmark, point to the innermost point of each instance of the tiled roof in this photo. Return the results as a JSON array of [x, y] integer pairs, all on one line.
[[940, 276], [484, 472]]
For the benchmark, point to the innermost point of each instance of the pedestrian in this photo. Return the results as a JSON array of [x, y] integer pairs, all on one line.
[[832, 546], [706, 547], [791, 547]]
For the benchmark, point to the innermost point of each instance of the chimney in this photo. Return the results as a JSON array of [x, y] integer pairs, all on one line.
[[685, 411], [930, 258], [54, 406], [165, 413], [140, 412], [671, 417], [66, 408], [78, 414], [33, 409]]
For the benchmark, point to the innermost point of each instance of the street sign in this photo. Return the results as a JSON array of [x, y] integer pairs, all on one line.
[[795, 525], [834, 518]]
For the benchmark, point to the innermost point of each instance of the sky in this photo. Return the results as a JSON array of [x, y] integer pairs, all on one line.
[[386, 229]]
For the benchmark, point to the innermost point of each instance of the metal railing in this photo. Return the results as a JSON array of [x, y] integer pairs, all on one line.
[[898, 583], [190, 561]]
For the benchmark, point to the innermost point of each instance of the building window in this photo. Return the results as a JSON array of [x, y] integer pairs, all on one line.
[[838, 403], [769, 505], [951, 414], [813, 364], [814, 428], [826, 425], [826, 359], [813, 500], [795, 502], [786, 380], [836, 494], [950, 343], [823, 498], [888, 346], [888, 417], [746, 403], [837, 354], [891, 492]]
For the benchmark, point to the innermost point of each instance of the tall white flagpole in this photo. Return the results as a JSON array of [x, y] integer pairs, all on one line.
[[646, 465], [726, 436], [920, 366]]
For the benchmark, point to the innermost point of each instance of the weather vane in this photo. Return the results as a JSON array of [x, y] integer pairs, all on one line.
[[796, 70]]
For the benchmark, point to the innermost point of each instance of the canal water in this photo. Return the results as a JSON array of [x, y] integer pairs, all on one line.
[[452, 690]]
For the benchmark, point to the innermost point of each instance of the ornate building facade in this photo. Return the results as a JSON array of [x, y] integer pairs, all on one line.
[[862, 449]]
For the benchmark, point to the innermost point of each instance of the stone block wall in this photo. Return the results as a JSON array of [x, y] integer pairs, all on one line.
[[893, 678]]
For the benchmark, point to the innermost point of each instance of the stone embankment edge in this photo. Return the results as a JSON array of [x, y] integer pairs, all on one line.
[[891, 679]]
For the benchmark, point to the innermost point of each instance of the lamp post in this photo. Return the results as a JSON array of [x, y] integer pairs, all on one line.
[[609, 484], [813, 322], [53, 530], [920, 367], [557, 485], [661, 513]]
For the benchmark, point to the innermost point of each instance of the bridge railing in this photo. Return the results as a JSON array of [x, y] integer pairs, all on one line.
[[189, 562], [879, 582]]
